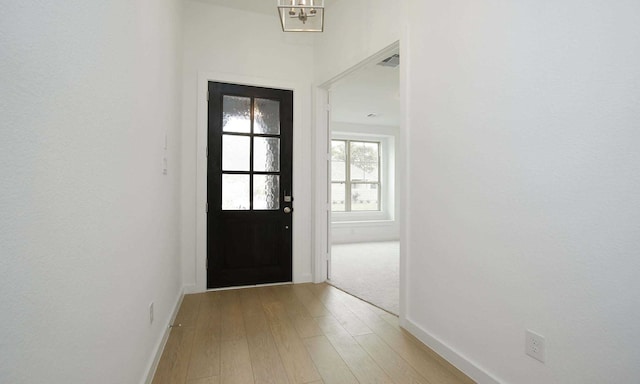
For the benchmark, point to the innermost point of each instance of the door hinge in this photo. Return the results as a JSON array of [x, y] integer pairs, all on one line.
[[207, 151], [207, 95], [207, 207]]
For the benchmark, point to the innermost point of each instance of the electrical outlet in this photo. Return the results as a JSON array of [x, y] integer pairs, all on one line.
[[151, 313], [535, 346]]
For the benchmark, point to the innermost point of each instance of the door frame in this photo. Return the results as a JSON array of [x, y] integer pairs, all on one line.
[[301, 227], [322, 206]]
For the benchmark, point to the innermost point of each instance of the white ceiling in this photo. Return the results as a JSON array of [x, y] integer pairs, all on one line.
[[373, 89], [267, 7]]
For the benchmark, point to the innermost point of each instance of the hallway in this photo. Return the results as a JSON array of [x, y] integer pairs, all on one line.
[[294, 334], [517, 177]]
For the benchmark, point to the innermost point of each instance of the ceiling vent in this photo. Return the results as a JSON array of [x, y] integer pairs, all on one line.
[[391, 61]]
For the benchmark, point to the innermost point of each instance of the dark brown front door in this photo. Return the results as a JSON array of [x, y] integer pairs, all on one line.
[[249, 182]]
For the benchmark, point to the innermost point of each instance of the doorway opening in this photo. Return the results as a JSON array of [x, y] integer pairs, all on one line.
[[364, 219]]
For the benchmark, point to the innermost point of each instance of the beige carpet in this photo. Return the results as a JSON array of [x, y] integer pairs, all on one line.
[[368, 271]]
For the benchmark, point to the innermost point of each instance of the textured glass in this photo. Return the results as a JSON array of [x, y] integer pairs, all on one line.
[[266, 154], [337, 197], [266, 192], [364, 197], [338, 160], [266, 117], [364, 161], [235, 192], [236, 114], [235, 153]]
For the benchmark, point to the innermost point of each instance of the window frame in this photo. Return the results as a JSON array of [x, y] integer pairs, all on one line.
[[387, 177], [348, 182]]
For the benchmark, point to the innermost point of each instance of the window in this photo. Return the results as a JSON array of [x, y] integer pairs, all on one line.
[[355, 176]]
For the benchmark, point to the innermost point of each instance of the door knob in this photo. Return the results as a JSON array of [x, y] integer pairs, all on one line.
[[287, 210]]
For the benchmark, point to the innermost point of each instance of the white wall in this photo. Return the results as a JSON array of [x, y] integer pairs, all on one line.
[[88, 222], [354, 30], [524, 184], [236, 45], [357, 227]]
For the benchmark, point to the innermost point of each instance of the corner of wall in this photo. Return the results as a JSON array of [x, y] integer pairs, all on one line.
[[189, 288], [304, 278]]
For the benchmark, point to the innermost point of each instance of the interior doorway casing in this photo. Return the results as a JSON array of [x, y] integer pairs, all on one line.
[[322, 206]]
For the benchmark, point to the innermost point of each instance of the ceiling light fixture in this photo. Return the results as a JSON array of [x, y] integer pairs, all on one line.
[[301, 15]]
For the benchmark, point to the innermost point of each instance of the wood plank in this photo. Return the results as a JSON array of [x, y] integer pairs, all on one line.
[[284, 295], [210, 301], [430, 352], [298, 313], [250, 303], [265, 358], [360, 363], [188, 313], [174, 362], [205, 355], [206, 380], [391, 319], [309, 300], [232, 327], [340, 311], [235, 362], [295, 358], [395, 366], [423, 359], [361, 309], [418, 358], [329, 363], [253, 336]]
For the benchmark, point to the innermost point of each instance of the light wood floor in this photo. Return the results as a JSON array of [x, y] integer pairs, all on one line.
[[295, 334]]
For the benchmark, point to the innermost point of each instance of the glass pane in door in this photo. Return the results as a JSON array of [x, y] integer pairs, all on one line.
[[236, 114], [235, 192], [235, 153], [266, 154], [266, 117], [266, 192]]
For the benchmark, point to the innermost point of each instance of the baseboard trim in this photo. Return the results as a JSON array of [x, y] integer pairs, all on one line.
[[163, 341], [458, 360]]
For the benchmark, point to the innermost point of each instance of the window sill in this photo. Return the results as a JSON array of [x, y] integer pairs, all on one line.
[[359, 216], [363, 223]]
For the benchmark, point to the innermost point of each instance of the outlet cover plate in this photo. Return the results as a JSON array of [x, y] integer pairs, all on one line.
[[535, 346]]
